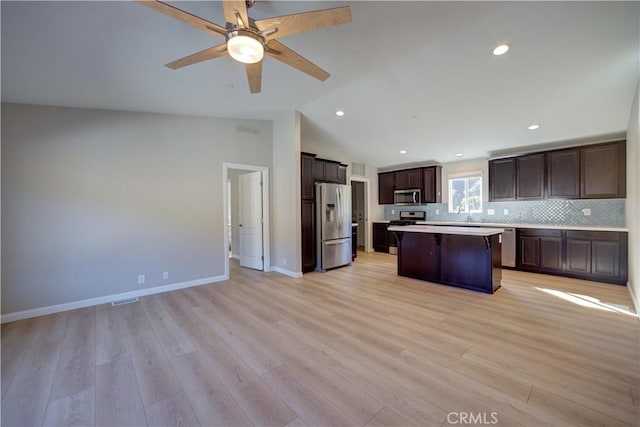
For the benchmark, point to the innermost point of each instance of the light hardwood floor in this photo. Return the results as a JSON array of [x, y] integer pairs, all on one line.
[[354, 346]]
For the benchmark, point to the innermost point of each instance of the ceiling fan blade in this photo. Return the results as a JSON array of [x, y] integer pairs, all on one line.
[[203, 55], [193, 20], [301, 22], [278, 51], [231, 7], [254, 75]]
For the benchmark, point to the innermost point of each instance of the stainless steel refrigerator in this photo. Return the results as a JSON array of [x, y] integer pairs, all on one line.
[[333, 225]]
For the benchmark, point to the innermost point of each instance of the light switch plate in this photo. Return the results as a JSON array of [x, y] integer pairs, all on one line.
[[586, 211], [490, 211], [506, 212]]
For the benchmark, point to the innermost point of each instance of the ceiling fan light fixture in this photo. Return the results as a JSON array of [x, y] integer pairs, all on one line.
[[245, 47]]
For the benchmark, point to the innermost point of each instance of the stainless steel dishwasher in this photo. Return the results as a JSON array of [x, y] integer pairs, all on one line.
[[509, 247]]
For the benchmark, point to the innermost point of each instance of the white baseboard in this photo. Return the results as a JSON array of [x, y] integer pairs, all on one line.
[[286, 272], [634, 300], [19, 315]]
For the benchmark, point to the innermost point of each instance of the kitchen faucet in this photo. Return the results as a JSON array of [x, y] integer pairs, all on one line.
[[468, 213]]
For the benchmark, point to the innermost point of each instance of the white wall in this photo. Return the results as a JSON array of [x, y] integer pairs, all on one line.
[[632, 213], [93, 198], [286, 200]]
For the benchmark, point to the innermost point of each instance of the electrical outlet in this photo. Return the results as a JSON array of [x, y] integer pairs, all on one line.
[[490, 211], [505, 212], [141, 279], [393, 211], [586, 211], [437, 211], [165, 275]]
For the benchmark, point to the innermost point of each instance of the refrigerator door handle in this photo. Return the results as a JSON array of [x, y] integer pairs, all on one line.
[[339, 209], [337, 242]]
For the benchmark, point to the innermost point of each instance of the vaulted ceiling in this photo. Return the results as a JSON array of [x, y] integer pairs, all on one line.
[[414, 76]]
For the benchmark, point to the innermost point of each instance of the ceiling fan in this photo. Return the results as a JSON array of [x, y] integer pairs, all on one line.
[[247, 40]]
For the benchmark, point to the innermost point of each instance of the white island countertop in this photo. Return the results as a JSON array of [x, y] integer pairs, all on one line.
[[443, 229]]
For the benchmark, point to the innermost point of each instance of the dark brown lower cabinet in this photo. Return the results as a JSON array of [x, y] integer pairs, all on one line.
[[592, 255], [600, 255], [380, 237], [539, 250]]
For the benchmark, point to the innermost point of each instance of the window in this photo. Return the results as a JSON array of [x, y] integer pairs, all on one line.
[[465, 193]]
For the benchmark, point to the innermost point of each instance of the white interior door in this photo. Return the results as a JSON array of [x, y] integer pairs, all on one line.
[[250, 224]]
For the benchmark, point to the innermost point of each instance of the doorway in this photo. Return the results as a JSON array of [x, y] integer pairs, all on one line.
[[360, 211], [246, 207]]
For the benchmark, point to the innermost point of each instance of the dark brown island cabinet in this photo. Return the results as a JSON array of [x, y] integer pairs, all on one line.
[[465, 257], [312, 170], [595, 171], [599, 256]]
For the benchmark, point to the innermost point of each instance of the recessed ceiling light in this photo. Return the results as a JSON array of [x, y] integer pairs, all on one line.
[[339, 113], [458, 154], [500, 49], [403, 151], [533, 127]]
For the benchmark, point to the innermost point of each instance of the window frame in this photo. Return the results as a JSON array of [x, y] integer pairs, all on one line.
[[466, 176]]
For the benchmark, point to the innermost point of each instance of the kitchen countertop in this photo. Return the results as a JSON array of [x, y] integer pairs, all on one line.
[[542, 226], [447, 229], [507, 225]]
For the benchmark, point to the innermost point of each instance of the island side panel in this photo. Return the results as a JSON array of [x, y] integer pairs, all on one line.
[[467, 262], [496, 255]]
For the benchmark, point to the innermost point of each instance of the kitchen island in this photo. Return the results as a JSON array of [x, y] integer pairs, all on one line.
[[465, 257]]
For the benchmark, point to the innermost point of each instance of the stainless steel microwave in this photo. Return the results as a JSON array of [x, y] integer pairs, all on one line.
[[407, 197]]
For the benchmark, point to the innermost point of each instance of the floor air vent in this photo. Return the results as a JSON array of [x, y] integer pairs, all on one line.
[[124, 301]]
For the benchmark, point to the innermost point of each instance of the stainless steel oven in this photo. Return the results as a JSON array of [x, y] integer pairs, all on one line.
[[406, 218]]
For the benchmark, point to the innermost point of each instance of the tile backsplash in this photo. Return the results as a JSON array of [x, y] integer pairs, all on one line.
[[603, 212]]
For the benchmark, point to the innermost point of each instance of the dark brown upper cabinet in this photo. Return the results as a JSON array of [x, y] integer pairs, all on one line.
[[386, 186], [342, 174], [603, 171], [530, 177], [408, 179], [318, 170], [306, 174], [502, 179], [432, 184], [563, 174], [595, 171], [331, 171]]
